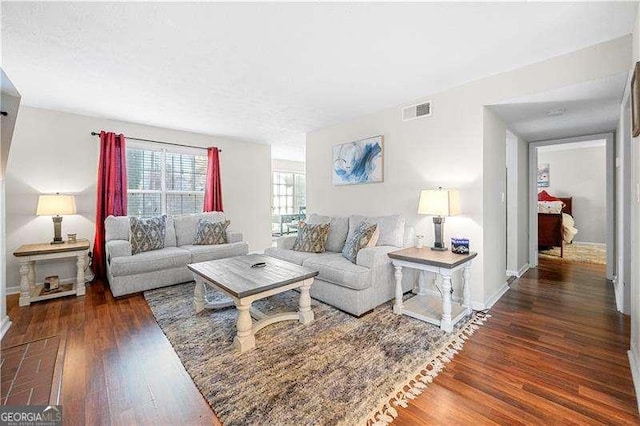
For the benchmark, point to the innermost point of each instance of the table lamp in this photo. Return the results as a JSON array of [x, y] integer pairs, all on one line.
[[56, 205], [439, 203]]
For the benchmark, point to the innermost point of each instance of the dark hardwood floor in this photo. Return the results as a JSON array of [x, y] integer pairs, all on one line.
[[553, 352]]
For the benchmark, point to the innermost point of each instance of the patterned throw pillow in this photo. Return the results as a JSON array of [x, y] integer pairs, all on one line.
[[358, 240], [147, 234], [311, 238], [209, 233]]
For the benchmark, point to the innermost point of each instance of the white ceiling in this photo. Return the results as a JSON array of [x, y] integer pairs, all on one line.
[[590, 108], [271, 72]]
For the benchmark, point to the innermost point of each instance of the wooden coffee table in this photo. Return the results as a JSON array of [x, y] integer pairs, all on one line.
[[235, 277]]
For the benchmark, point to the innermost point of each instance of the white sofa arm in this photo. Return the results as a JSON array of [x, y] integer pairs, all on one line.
[[234, 237], [372, 257], [286, 242], [117, 248]]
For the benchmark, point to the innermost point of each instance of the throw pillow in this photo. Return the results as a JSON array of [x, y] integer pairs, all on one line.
[[311, 238], [147, 234], [210, 233], [358, 240], [374, 238]]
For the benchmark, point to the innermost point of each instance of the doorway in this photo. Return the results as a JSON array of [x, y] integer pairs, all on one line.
[[576, 186]]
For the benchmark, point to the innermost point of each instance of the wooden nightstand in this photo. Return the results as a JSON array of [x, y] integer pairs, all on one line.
[[440, 311], [28, 254]]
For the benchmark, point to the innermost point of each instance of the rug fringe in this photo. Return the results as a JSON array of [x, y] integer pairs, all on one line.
[[386, 412]]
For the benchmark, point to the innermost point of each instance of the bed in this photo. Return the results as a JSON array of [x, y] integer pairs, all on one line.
[[555, 221]]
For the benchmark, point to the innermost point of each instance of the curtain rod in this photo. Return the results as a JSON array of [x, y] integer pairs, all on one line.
[[160, 142]]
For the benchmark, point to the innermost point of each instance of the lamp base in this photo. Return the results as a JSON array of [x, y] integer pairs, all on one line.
[[438, 224], [57, 230]]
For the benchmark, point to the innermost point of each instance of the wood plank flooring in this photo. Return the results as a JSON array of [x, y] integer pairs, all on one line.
[[553, 352]]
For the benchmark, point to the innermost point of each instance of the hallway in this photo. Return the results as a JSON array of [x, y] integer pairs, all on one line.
[[554, 351]]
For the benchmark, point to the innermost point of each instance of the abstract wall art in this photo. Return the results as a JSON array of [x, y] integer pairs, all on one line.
[[358, 162], [543, 175]]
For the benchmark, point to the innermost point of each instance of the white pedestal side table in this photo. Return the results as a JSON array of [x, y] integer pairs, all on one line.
[[29, 254], [441, 311]]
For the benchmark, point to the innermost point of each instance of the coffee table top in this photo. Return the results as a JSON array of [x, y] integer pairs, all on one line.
[[237, 277]]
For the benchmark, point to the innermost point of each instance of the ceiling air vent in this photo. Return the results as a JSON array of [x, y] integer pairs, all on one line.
[[416, 111]]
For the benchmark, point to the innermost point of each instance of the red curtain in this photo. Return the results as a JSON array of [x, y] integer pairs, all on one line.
[[213, 189], [112, 191]]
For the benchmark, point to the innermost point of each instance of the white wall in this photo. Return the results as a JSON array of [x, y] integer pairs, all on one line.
[[494, 204], [10, 103], [523, 205], [54, 152], [580, 173], [635, 240], [447, 149], [517, 205]]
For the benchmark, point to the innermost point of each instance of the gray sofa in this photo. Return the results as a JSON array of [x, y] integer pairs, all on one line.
[[129, 273], [354, 288]]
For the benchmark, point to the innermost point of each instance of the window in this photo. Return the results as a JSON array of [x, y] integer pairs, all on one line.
[[289, 193], [161, 181]]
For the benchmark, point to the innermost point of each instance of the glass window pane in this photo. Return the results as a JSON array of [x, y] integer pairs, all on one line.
[[143, 169], [144, 205], [184, 203]]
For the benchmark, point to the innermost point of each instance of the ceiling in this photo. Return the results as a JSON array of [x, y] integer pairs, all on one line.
[[269, 73], [588, 108]]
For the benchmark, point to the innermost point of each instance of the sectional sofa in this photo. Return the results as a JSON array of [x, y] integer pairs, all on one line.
[[129, 273], [354, 288]]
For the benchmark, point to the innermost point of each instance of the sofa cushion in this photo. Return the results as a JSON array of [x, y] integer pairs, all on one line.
[[311, 238], [187, 224], [358, 240], [296, 257], [334, 268], [391, 228], [148, 261], [147, 233], [119, 228], [203, 253], [210, 233], [338, 230]]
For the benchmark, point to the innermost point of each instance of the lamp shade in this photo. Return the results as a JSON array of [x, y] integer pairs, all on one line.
[[439, 202], [52, 205]]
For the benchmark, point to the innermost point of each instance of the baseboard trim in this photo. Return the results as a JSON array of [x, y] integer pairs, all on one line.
[[635, 374], [477, 306], [4, 326], [587, 243], [13, 290], [523, 270], [519, 272]]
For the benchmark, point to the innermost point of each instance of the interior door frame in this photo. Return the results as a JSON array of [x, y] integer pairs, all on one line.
[[610, 209]]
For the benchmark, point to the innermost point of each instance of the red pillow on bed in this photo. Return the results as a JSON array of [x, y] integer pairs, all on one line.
[[544, 196]]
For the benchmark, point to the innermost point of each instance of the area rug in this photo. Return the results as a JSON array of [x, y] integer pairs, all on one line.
[[577, 252], [336, 370]]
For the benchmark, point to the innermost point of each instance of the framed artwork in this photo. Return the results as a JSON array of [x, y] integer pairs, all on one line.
[[358, 162], [543, 175], [635, 101]]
